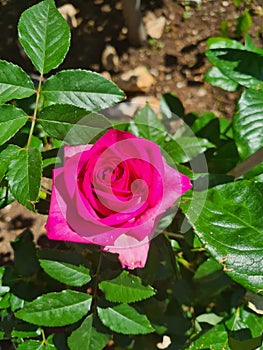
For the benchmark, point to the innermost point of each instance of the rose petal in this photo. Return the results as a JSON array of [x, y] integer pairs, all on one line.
[[70, 151], [132, 253], [175, 185], [57, 226]]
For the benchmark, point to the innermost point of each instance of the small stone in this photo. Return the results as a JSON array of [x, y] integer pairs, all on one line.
[[154, 72], [118, 5], [155, 27], [100, 29], [201, 92], [125, 57], [137, 80], [165, 343], [225, 3], [91, 23], [106, 8], [110, 59], [124, 30], [106, 75], [168, 77], [69, 12], [180, 84], [140, 101]]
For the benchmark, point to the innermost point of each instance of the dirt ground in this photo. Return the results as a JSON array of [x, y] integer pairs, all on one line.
[[176, 61]]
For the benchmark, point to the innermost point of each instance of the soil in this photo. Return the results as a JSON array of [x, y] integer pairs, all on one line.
[[176, 60]]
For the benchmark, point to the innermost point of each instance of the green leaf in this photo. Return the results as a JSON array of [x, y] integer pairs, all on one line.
[[238, 2], [72, 124], [243, 67], [36, 345], [25, 330], [16, 303], [5, 301], [248, 123], [224, 43], [224, 158], [24, 176], [209, 128], [208, 267], [6, 156], [209, 318], [83, 89], [6, 197], [247, 344], [56, 309], [25, 258], [245, 319], [244, 22], [214, 339], [218, 79], [69, 274], [149, 126], [231, 227], [248, 127], [184, 149], [171, 107], [44, 35], [250, 46], [126, 288], [14, 82], [11, 120], [125, 320], [86, 337]]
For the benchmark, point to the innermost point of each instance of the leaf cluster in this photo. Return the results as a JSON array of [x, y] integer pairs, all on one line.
[[202, 284]]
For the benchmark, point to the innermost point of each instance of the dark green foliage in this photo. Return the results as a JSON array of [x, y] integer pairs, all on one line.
[[202, 284]]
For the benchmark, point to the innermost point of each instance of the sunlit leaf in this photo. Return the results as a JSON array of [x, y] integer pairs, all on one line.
[[87, 337], [126, 288], [56, 309], [11, 120], [6, 156], [149, 126], [24, 176], [44, 35], [69, 274], [248, 125], [83, 89], [243, 67], [72, 124], [125, 319], [184, 149], [231, 227], [14, 82]]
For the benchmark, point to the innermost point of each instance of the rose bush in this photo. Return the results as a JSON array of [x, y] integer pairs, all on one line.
[[113, 194]]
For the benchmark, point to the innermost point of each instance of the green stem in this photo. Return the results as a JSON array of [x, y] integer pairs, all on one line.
[[44, 340], [95, 293], [34, 118]]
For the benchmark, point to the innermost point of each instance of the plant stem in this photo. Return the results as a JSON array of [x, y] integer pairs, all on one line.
[[95, 293], [44, 341], [247, 164], [34, 118]]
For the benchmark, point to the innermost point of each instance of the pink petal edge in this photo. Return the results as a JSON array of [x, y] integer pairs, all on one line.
[[132, 253]]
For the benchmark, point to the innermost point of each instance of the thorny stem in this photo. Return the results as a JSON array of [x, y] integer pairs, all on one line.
[[34, 118]]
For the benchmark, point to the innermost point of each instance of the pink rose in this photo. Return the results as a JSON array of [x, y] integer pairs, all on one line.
[[113, 194]]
